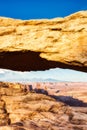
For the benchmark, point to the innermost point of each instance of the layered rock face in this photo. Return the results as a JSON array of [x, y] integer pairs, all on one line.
[[24, 110], [49, 43]]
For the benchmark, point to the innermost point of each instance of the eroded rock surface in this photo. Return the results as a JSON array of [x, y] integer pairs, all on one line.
[[24, 110], [49, 43]]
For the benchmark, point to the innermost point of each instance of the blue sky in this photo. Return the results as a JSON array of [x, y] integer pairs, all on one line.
[[32, 9], [36, 9]]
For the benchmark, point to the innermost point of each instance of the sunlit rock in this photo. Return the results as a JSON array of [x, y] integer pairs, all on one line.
[[43, 44]]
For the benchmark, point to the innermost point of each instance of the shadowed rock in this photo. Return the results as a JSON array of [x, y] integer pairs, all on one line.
[[29, 60]]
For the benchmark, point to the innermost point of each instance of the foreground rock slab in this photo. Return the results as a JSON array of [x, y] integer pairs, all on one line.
[[49, 43], [24, 110]]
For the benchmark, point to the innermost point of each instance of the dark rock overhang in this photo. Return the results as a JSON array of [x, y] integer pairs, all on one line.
[[31, 61]]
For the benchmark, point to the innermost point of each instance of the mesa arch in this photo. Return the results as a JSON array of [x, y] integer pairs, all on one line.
[[43, 44]]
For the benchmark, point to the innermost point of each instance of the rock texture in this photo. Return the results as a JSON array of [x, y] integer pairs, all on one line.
[[24, 110], [49, 43]]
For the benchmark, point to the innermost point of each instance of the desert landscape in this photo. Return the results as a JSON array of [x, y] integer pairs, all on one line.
[[43, 106], [36, 45]]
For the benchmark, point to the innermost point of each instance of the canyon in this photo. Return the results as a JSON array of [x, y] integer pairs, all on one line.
[[43, 106], [30, 45]]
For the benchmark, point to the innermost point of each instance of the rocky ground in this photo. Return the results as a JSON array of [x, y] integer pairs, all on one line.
[[24, 107]]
